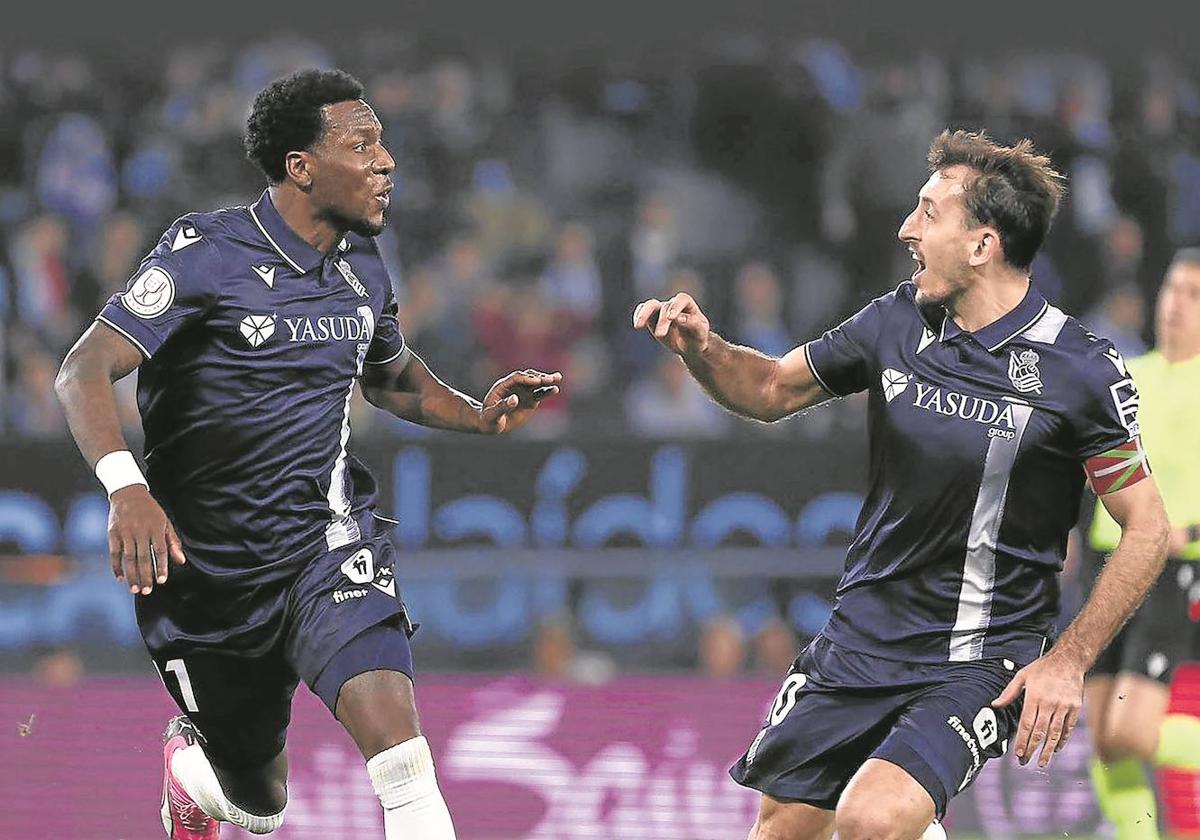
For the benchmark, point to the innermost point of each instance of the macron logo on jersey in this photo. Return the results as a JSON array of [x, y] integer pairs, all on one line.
[[266, 274], [186, 236]]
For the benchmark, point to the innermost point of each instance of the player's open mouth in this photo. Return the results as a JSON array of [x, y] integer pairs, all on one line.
[[920, 265], [384, 196]]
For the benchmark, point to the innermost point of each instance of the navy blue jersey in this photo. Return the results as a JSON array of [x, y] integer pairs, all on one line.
[[977, 442], [253, 342]]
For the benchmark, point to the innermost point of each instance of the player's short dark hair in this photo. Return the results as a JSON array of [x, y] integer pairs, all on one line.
[[1015, 189], [286, 116]]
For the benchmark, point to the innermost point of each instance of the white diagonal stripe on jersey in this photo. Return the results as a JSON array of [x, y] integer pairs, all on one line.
[[342, 530], [979, 568]]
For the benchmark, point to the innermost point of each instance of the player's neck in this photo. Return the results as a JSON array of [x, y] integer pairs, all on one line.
[[295, 209], [989, 299]]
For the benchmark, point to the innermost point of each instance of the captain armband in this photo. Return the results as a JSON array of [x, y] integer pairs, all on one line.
[[1118, 468]]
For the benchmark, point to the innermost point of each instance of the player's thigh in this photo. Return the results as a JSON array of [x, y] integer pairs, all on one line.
[[1135, 716], [780, 820], [945, 734], [883, 801], [241, 706], [815, 737], [1097, 695], [376, 701], [339, 597]]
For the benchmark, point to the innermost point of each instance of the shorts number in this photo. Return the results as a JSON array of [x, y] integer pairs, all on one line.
[[786, 699], [177, 667]]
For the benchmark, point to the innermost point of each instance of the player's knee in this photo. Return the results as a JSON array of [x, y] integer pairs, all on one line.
[[857, 820], [262, 793], [1123, 739]]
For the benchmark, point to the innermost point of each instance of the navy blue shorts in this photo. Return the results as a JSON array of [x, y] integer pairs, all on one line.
[[232, 658], [838, 708]]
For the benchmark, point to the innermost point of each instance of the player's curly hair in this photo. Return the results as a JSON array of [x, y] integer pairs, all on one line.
[[286, 116], [1016, 190]]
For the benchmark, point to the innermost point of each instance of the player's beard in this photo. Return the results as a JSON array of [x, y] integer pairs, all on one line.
[[361, 225]]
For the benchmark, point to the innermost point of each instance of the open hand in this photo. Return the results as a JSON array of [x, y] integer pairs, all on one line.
[[1053, 686], [140, 539], [677, 324], [512, 400]]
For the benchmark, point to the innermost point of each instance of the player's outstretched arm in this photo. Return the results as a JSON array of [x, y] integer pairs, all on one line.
[[140, 537], [411, 391], [742, 379], [1053, 685]]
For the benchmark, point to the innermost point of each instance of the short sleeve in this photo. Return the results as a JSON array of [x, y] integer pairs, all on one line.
[[173, 286], [1108, 415], [388, 345], [842, 358], [1107, 437]]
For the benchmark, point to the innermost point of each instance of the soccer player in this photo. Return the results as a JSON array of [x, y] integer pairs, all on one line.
[[986, 406], [250, 327], [1127, 691]]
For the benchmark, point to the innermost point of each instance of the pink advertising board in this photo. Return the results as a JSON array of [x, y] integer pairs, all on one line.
[[637, 758]]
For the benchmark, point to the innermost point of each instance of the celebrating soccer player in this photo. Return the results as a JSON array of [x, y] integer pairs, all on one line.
[[987, 405], [250, 327], [1127, 692]]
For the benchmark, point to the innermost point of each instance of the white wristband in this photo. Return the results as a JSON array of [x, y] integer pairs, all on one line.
[[118, 469]]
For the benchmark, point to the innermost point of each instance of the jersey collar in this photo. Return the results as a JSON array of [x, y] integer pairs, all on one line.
[[1005, 328], [297, 253]]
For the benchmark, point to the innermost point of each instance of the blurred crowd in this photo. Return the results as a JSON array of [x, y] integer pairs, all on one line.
[[540, 196]]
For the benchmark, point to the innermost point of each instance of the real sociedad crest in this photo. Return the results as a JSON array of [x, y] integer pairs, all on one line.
[[1023, 371]]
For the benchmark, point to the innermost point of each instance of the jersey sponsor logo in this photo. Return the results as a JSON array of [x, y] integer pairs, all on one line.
[[330, 328], [343, 595], [266, 274], [1023, 371], [894, 383], [348, 275], [185, 236], [151, 294], [927, 337], [257, 328], [965, 407]]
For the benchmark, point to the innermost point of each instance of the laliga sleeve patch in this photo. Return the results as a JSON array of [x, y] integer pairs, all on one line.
[[151, 294], [1119, 467]]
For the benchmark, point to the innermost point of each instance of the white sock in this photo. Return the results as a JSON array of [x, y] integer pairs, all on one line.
[[190, 766], [413, 808]]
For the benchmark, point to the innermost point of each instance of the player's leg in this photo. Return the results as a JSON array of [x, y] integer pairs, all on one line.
[[884, 802], [1120, 782], [1161, 635], [812, 741], [778, 820], [348, 639], [225, 758], [934, 749], [369, 688]]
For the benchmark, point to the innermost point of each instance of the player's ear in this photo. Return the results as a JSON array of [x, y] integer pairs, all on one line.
[[298, 166], [985, 246]]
